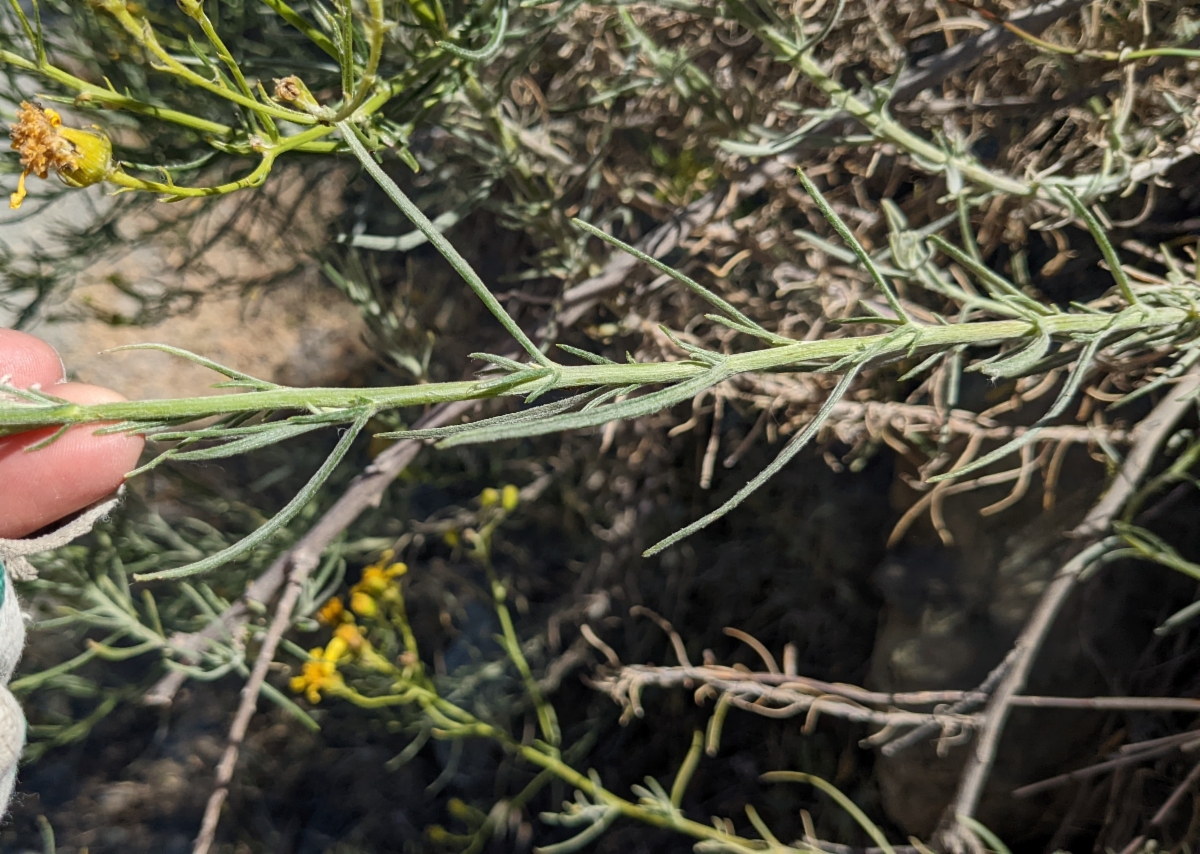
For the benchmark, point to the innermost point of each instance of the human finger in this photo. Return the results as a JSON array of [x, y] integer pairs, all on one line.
[[77, 469], [26, 360]]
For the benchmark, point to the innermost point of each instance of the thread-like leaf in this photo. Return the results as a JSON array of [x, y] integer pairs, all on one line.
[[844, 802], [985, 835], [489, 50], [240, 379], [633, 408], [279, 519], [531, 414], [1106, 248], [1074, 379], [439, 242], [1017, 363], [847, 235], [689, 283], [789, 451], [1000, 288]]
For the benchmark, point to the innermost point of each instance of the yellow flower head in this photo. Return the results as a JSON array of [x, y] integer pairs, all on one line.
[[352, 636], [332, 613], [80, 157], [315, 677], [489, 497], [510, 496], [363, 604], [378, 577]]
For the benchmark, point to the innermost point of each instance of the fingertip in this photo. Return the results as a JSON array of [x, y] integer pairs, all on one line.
[[77, 469], [27, 360]]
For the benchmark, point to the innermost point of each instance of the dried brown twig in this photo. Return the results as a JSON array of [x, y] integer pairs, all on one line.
[[1129, 754], [781, 695], [1147, 438], [786, 694], [297, 563]]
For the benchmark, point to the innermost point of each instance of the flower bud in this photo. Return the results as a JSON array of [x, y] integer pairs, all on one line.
[[364, 605], [291, 90]]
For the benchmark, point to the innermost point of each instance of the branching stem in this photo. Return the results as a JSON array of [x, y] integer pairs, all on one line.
[[17, 417]]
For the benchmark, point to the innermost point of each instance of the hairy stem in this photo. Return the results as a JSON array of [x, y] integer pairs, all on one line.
[[16, 417]]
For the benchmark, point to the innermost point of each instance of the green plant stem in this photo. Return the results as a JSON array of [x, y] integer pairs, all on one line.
[[196, 12], [375, 31], [294, 18], [254, 179], [876, 120], [16, 417], [930, 156], [143, 34], [89, 92], [465, 724]]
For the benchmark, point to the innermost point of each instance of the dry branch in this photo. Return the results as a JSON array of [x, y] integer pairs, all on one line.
[[1148, 438]]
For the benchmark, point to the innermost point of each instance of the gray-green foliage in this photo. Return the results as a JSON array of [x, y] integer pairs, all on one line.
[[933, 307], [1027, 336]]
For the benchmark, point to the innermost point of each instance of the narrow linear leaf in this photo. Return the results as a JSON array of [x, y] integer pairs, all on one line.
[[581, 840], [991, 840], [1017, 363], [634, 408], [585, 355], [439, 242], [689, 283], [1074, 380], [1106, 248], [489, 50], [999, 287], [532, 414], [844, 802], [279, 520], [847, 235], [242, 379], [757, 332], [249, 443], [1179, 619], [793, 447], [608, 395], [1154, 548]]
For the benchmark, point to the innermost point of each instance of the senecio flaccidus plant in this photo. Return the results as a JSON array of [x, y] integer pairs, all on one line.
[[372, 660], [1031, 338], [267, 125]]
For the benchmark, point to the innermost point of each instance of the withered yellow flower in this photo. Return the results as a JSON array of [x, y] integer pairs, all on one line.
[[291, 90], [79, 157]]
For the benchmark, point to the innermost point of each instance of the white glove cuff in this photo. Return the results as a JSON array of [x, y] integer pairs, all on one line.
[[12, 632]]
